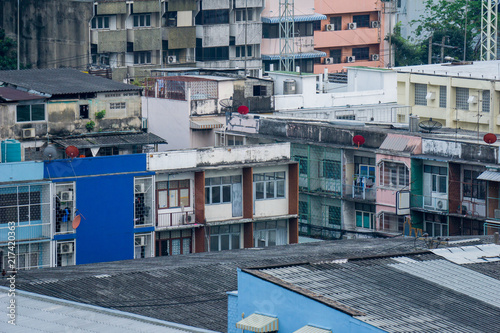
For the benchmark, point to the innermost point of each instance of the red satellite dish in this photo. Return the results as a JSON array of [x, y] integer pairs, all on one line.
[[490, 138], [358, 139], [76, 221], [72, 151], [243, 109]]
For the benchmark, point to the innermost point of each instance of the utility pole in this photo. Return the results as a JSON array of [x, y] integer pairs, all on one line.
[[389, 7], [443, 46], [246, 26], [287, 28], [489, 14], [429, 55]]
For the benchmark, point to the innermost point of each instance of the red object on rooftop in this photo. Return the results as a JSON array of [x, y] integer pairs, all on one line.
[[76, 221], [358, 139], [72, 151], [490, 138], [243, 109]]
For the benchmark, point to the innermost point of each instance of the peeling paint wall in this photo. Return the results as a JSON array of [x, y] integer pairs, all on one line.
[[462, 150]]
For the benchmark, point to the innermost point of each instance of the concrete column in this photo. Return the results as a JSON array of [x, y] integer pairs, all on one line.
[[293, 202], [248, 207], [199, 210]]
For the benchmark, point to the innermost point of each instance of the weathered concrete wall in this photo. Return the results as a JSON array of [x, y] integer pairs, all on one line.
[[54, 33], [243, 95], [461, 150]]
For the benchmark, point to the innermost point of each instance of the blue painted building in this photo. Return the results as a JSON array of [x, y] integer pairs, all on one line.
[[96, 191]]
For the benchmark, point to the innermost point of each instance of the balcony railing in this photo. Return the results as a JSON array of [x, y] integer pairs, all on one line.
[[175, 219], [24, 231], [436, 203], [359, 192], [320, 185]]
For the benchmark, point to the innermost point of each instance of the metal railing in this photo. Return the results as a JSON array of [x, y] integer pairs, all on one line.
[[175, 219], [25, 231], [359, 192], [432, 203]]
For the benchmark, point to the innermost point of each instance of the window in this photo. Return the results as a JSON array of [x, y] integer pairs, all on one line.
[[391, 222], [226, 237], [362, 21], [435, 225], [234, 140], [486, 101], [143, 57], [462, 98], [142, 20], [173, 242], [84, 111], [442, 96], [20, 204], [240, 51], [331, 169], [174, 193], [334, 215], [142, 246], [143, 201], [303, 211], [361, 53], [259, 90], [32, 112], [64, 208], [365, 215], [218, 16], [302, 29], [420, 94], [270, 233], [218, 189], [171, 19], [302, 164], [114, 106], [269, 185], [438, 178], [336, 55], [212, 53], [100, 22], [270, 30], [337, 22], [240, 15], [65, 254], [394, 174], [473, 187]]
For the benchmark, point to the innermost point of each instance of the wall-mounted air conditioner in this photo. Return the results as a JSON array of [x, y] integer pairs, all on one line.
[[66, 248], [172, 59], [352, 26], [328, 61], [350, 59], [190, 218], [140, 241], [66, 196], [375, 24], [375, 57], [440, 204], [330, 27], [28, 133], [139, 188]]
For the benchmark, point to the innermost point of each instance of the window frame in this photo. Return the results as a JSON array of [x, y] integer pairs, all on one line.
[[100, 22], [442, 97], [485, 102], [269, 180], [142, 58], [170, 187], [361, 53], [473, 188], [141, 20], [393, 173], [362, 21], [220, 183], [420, 94], [30, 113], [462, 98]]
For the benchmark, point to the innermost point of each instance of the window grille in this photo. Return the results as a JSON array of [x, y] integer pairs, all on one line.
[[462, 97], [442, 96], [420, 94]]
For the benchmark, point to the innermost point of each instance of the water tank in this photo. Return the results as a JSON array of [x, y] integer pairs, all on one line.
[[10, 150], [289, 87]]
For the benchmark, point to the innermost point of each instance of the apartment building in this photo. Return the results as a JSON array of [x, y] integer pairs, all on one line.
[[351, 34]]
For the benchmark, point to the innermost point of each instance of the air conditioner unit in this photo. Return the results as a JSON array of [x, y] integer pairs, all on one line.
[[430, 96], [375, 57], [190, 218], [352, 26], [171, 59], [140, 240], [472, 100], [28, 133], [330, 27], [66, 196], [328, 61], [441, 204], [497, 214], [139, 188], [351, 59], [65, 248], [375, 24]]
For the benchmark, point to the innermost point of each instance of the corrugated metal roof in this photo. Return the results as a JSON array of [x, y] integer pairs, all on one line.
[[205, 123], [312, 329], [490, 175], [296, 18], [110, 140], [398, 142], [60, 81], [304, 55], [258, 323], [13, 95], [470, 254], [455, 277]]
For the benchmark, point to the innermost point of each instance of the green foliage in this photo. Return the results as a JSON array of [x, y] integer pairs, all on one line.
[[100, 114], [405, 53], [8, 56], [90, 126]]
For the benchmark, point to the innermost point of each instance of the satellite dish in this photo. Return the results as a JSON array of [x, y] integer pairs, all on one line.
[[243, 109], [76, 221], [49, 152], [226, 102], [490, 138], [430, 125], [358, 139], [72, 151]]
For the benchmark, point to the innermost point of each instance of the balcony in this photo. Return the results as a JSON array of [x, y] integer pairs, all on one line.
[[175, 219], [345, 38], [24, 231], [321, 185], [359, 192], [435, 204]]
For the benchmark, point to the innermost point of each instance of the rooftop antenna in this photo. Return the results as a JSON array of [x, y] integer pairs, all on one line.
[[489, 14], [286, 28]]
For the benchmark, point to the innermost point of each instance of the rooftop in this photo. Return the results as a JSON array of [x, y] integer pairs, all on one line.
[[13, 95], [489, 70], [61, 81], [191, 289]]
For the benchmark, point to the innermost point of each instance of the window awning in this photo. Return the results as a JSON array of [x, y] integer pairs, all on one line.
[[258, 323], [205, 123], [312, 329], [490, 175], [296, 18], [305, 55]]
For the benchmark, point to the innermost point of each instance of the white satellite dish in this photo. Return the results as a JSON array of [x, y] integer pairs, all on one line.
[[49, 152]]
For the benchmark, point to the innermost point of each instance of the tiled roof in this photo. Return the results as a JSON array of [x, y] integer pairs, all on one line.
[[13, 95], [191, 289], [60, 81], [413, 293]]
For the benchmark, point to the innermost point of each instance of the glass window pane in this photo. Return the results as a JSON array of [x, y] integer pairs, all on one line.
[[235, 241], [37, 112], [186, 245], [216, 194], [207, 196], [162, 199], [271, 241], [176, 246], [215, 181], [442, 184], [226, 193], [224, 229], [174, 198], [184, 183], [173, 184], [280, 175], [359, 218], [226, 180], [258, 177], [214, 243], [235, 228], [281, 188], [259, 190], [184, 197], [366, 220], [148, 20], [236, 179], [23, 113], [224, 242], [270, 189]]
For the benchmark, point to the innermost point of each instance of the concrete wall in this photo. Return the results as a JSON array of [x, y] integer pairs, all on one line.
[[54, 33], [463, 150], [21, 171]]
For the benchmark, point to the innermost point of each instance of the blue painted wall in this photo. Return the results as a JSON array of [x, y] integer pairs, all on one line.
[[104, 189], [232, 312], [292, 309], [21, 171]]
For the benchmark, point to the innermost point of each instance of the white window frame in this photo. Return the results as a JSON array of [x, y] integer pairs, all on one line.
[[144, 17], [274, 182], [394, 168], [222, 184], [99, 22]]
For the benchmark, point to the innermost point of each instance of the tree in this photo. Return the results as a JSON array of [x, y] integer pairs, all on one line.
[[453, 20], [7, 53], [405, 53]]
